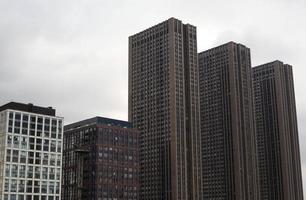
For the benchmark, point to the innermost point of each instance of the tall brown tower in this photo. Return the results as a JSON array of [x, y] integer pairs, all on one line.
[[277, 132], [164, 106], [228, 139]]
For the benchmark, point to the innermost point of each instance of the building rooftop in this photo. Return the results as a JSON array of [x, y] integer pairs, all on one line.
[[28, 108], [99, 121]]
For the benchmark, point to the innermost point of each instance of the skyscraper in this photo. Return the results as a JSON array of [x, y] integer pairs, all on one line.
[[30, 152], [164, 106], [228, 137], [277, 132], [100, 160]]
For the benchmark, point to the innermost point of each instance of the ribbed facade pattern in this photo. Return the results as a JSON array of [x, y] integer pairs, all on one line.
[[277, 133], [228, 141], [164, 106]]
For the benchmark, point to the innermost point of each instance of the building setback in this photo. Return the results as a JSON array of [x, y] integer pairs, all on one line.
[[228, 139], [164, 106], [100, 160], [30, 152], [277, 132]]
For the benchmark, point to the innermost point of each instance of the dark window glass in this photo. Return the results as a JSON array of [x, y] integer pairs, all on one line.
[[17, 116]]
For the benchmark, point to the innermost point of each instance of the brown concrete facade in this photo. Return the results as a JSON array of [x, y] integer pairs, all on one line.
[[164, 106], [229, 167], [277, 132], [100, 160]]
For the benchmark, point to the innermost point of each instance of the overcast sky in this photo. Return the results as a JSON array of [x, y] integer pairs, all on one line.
[[73, 54]]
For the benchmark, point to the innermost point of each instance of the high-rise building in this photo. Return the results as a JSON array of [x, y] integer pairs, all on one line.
[[30, 152], [100, 160], [277, 132], [229, 168], [164, 106]]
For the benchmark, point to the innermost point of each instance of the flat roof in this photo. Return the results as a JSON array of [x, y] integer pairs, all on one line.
[[99, 121], [28, 108]]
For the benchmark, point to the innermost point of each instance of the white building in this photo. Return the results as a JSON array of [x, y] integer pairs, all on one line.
[[30, 152]]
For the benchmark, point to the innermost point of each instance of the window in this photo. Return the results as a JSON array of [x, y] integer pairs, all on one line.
[[24, 142], [38, 144], [44, 187], [8, 155], [22, 171], [37, 158], [30, 172], [59, 160], [45, 173], [58, 174], [23, 156], [53, 145], [17, 116], [32, 143], [14, 172], [52, 159], [7, 170], [59, 147], [52, 173], [21, 185], [51, 187], [9, 140], [30, 157], [37, 172], [46, 145], [36, 187], [57, 188], [15, 156], [45, 159], [29, 187], [16, 141], [25, 118], [6, 185]]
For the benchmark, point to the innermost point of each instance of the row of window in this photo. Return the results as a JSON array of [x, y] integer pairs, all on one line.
[[29, 186], [29, 197], [31, 143], [34, 119], [34, 125], [16, 156], [29, 172]]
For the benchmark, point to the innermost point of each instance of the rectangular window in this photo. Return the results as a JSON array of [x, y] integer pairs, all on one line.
[[53, 146], [21, 186], [44, 187], [46, 159], [15, 156], [8, 155], [23, 156], [9, 141], [45, 173], [22, 171], [16, 142], [37, 172], [14, 185], [36, 187], [51, 187], [29, 187], [52, 173], [30, 172], [7, 170]]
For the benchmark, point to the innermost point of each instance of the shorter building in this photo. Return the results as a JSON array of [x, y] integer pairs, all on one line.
[[229, 167], [277, 132], [30, 152], [100, 160]]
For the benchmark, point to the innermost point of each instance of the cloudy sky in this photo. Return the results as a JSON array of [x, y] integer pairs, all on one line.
[[73, 54]]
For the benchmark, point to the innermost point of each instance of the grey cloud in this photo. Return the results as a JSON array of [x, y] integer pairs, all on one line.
[[72, 54]]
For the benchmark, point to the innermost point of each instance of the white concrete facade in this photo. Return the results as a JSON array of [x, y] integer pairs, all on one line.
[[30, 156]]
